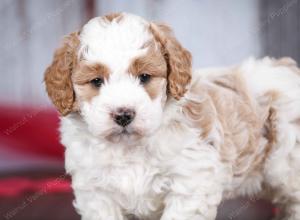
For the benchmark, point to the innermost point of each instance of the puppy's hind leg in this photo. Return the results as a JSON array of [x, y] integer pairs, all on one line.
[[283, 171], [291, 190]]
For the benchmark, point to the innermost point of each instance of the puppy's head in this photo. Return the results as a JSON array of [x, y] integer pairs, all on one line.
[[118, 72]]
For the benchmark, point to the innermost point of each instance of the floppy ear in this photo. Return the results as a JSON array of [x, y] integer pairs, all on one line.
[[179, 60], [58, 75]]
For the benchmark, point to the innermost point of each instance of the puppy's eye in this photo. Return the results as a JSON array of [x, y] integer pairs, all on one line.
[[97, 82], [144, 78]]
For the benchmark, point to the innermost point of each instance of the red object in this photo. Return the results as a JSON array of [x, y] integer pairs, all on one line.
[[16, 186], [31, 130], [275, 211]]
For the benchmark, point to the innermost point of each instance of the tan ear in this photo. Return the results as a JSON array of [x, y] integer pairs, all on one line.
[[179, 59], [58, 75]]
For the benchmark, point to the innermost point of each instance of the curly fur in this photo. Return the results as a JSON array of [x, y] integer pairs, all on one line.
[[197, 138], [58, 75]]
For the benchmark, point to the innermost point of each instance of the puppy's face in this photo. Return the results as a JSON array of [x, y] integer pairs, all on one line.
[[118, 73]]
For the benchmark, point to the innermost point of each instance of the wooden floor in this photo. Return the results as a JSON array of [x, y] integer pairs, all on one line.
[[58, 206], [47, 207]]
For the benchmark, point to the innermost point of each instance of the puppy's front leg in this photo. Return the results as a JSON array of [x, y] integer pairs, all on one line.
[[197, 186], [184, 207], [96, 206]]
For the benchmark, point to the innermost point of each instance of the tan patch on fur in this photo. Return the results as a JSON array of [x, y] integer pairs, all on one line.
[[228, 81], [241, 124], [288, 62], [225, 107], [271, 136], [266, 113], [178, 59], [201, 110], [154, 64], [154, 87], [85, 72], [113, 17], [285, 61], [297, 121], [58, 75]]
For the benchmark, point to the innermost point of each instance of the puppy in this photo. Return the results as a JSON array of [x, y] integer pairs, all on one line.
[[146, 139]]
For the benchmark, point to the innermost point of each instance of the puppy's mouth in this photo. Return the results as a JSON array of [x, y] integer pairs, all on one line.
[[125, 134]]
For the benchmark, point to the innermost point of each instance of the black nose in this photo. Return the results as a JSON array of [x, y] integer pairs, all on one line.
[[124, 116]]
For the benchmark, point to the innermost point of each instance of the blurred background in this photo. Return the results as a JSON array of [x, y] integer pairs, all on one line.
[[32, 180]]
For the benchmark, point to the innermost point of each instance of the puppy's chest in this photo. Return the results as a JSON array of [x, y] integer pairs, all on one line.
[[138, 178], [130, 176], [134, 179]]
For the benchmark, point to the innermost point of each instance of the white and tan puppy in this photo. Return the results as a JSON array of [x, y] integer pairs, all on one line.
[[145, 138]]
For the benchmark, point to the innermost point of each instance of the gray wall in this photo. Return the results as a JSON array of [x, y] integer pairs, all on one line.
[[216, 32], [280, 28], [30, 30]]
